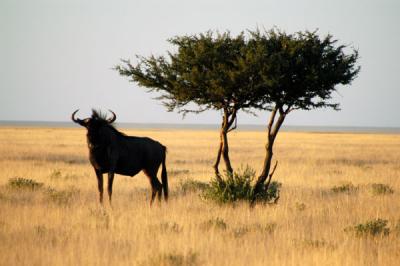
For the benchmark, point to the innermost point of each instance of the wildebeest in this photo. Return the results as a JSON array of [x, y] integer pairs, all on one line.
[[111, 151]]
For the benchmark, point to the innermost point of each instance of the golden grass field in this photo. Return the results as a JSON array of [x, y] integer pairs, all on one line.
[[62, 223]]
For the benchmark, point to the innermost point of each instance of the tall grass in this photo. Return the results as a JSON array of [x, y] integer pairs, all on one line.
[[61, 222]]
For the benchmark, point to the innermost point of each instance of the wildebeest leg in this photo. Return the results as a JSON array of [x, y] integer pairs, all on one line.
[[156, 187], [110, 184], [100, 184]]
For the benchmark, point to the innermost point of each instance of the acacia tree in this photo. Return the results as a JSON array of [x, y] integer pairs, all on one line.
[[213, 72], [297, 71], [269, 70]]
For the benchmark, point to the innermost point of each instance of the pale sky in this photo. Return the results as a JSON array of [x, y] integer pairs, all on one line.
[[57, 55]]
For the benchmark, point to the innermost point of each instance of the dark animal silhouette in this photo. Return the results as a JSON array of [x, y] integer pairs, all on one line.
[[111, 151]]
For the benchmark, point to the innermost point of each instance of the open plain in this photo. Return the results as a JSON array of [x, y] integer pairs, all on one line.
[[334, 185]]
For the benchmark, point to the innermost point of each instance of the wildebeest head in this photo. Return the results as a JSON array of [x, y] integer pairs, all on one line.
[[94, 122]]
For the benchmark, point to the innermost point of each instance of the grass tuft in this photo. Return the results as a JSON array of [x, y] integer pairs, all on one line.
[[24, 183], [381, 189], [345, 188], [370, 228]]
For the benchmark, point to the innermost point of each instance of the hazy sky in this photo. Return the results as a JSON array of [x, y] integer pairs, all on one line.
[[57, 56]]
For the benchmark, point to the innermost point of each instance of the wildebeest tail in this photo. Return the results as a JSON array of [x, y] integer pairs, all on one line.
[[164, 177]]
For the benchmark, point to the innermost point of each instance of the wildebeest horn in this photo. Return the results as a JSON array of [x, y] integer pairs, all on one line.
[[73, 117], [113, 118]]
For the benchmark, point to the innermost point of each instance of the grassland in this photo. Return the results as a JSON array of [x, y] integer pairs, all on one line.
[[327, 190]]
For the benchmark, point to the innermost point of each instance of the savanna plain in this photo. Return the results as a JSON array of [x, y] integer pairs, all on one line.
[[339, 202]]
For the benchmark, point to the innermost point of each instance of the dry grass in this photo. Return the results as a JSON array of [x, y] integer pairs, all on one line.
[[61, 223]]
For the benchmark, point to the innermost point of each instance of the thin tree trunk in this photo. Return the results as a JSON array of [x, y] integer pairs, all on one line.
[[223, 149], [225, 152], [216, 164], [273, 129]]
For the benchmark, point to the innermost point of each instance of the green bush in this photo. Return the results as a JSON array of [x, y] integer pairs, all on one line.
[[238, 186], [24, 183], [345, 188], [371, 228], [381, 189]]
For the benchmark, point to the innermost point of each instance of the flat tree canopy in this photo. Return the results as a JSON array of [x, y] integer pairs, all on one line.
[[300, 71]]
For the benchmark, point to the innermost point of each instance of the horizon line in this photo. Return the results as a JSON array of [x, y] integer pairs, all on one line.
[[164, 125]]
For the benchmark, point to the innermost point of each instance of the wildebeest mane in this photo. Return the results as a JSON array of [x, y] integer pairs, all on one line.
[[101, 118]]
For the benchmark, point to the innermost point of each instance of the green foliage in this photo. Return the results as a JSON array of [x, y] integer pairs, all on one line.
[[381, 189], [345, 188], [371, 228], [190, 185], [269, 194], [238, 186], [24, 183], [260, 70], [301, 70], [210, 70]]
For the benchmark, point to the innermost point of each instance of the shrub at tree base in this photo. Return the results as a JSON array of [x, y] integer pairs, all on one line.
[[238, 186]]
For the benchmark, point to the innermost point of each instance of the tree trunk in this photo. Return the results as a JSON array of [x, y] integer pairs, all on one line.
[[272, 132], [223, 149], [216, 164]]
